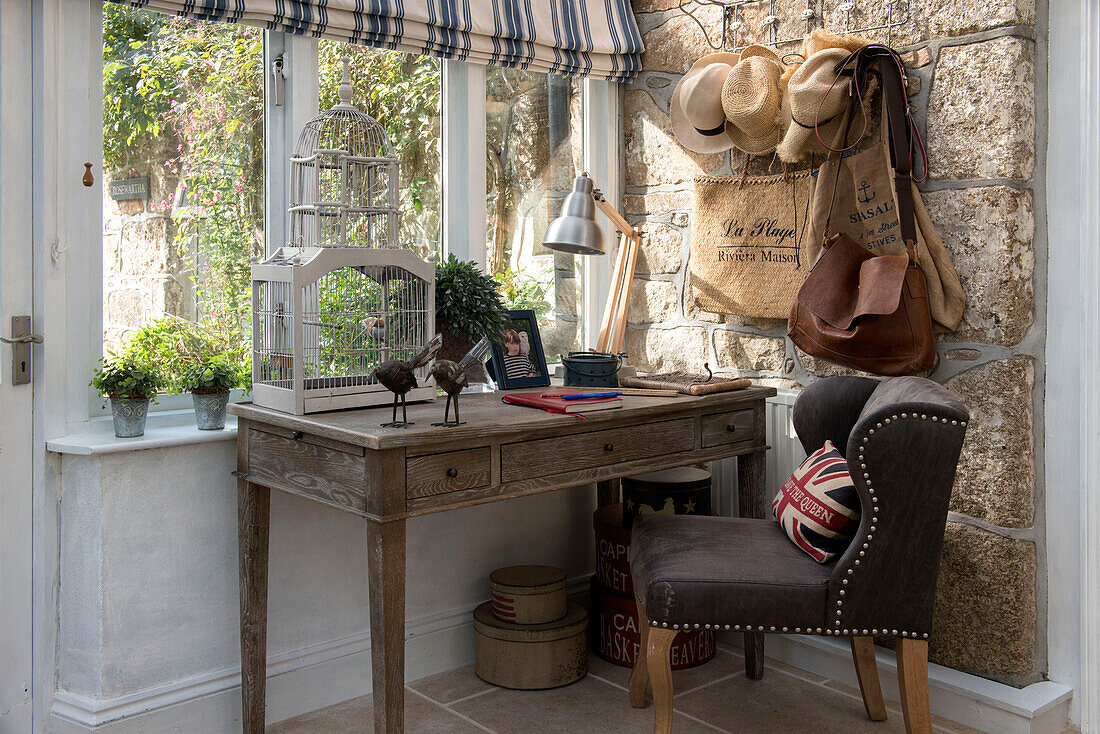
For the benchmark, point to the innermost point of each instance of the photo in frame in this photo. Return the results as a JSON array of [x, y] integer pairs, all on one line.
[[518, 361]]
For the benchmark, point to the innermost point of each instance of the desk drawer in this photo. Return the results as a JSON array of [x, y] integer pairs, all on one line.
[[447, 472], [729, 427], [299, 465], [547, 456]]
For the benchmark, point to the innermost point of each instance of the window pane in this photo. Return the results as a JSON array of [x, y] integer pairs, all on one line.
[[534, 149], [183, 190], [402, 92]]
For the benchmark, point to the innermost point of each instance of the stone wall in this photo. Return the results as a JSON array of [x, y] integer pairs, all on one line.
[[973, 69], [144, 276]]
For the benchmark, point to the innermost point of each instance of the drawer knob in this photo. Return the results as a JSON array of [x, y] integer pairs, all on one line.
[[452, 473], [609, 447], [296, 435], [731, 428]]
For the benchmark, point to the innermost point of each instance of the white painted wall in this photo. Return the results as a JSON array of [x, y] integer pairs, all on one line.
[[148, 604]]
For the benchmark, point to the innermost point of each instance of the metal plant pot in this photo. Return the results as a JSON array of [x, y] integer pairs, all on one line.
[[129, 415], [210, 410]]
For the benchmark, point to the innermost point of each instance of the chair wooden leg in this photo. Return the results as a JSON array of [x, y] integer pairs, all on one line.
[[863, 653], [639, 678], [913, 682], [659, 667]]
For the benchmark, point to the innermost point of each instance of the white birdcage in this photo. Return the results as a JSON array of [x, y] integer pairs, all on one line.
[[341, 298], [344, 179]]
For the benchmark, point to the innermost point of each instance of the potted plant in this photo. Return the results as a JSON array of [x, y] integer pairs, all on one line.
[[468, 306], [209, 382], [130, 385]]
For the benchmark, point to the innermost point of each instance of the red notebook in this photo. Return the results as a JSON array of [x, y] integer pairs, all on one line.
[[549, 401]]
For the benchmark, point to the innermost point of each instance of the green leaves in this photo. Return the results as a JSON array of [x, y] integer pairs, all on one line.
[[213, 374], [126, 377], [467, 301]]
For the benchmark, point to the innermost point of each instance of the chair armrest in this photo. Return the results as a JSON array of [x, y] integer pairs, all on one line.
[[902, 455], [828, 409]]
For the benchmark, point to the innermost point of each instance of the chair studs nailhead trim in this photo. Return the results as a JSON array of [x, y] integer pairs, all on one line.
[[839, 602], [797, 629], [845, 582], [784, 629], [862, 554], [771, 629], [904, 415], [736, 626], [864, 439], [819, 630], [904, 634], [842, 592], [863, 466], [954, 423], [664, 624], [727, 626], [849, 572], [925, 635], [696, 625], [878, 425], [870, 431], [864, 631], [895, 417], [865, 475], [893, 632], [962, 423], [874, 632], [856, 562], [885, 420]]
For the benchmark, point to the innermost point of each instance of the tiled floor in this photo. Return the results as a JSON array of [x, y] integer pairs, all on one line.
[[716, 697]]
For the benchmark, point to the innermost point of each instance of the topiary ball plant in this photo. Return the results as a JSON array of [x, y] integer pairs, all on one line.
[[126, 378], [468, 306], [212, 375]]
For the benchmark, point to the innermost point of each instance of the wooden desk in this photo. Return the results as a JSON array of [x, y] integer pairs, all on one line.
[[385, 475]]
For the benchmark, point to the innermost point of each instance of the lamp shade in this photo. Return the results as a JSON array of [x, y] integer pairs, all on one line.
[[576, 230]]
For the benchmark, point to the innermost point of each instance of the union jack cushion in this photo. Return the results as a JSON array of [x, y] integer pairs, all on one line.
[[819, 507]]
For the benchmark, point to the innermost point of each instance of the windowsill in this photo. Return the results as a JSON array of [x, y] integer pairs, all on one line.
[[164, 429]]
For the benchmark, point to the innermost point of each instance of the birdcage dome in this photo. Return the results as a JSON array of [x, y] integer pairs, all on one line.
[[344, 179]]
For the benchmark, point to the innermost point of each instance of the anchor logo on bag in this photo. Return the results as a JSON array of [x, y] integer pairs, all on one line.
[[864, 198]]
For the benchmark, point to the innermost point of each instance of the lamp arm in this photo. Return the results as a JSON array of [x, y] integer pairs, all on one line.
[[613, 328], [613, 214]]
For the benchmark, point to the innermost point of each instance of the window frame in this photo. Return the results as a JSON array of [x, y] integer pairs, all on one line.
[[463, 172]]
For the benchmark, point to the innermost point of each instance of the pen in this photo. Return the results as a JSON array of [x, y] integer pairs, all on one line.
[[582, 395]]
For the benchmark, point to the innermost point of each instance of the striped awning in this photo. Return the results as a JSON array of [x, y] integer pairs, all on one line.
[[597, 38]]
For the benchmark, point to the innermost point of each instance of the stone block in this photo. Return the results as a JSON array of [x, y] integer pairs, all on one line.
[[824, 368], [653, 155], [661, 250], [665, 350], [126, 308], [957, 18], [652, 6], [750, 352], [996, 475], [983, 92], [989, 232], [145, 245], [678, 43], [656, 202], [985, 614], [652, 301]]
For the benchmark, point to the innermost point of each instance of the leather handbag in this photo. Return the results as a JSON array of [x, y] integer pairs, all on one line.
[[857, 309]]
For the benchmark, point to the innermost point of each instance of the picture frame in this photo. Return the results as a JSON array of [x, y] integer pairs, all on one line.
[[521, 340]]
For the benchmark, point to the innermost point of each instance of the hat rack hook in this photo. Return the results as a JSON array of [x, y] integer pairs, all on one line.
[[849, 17]]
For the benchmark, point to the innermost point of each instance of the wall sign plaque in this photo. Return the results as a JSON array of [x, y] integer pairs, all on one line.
[[130, 188]]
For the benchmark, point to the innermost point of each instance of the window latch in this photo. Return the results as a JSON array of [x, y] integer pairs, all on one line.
[[277, 79]]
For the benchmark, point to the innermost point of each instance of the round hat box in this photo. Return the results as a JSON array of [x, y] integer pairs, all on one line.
[[528, 594], [613, 550], [684, 490], [616, 639], [531, 656]]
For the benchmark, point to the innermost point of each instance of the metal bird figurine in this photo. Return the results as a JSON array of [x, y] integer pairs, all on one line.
[[399, 376], [451, 377]]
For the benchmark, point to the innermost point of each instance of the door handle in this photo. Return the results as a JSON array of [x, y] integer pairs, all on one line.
[[21, 340]]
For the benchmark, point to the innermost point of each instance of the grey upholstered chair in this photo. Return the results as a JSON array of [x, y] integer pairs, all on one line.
[[903, 438]]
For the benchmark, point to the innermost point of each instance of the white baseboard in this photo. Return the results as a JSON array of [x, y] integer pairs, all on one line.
[[297, 682], [1041, 708]]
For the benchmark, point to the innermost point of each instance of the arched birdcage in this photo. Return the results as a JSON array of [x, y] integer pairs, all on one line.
[[341, 298], [344, 179]]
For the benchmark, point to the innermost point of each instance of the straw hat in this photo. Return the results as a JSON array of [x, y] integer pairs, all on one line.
[[815, 100], [752, 100], [697, 117]]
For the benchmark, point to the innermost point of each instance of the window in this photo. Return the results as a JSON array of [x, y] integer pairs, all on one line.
[[186, 207], [534, 149]]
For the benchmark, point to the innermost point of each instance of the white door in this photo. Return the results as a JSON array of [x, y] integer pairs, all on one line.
[[15, 400]]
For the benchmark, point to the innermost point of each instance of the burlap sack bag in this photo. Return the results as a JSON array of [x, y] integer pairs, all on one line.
[[866, 210], [750, 249]]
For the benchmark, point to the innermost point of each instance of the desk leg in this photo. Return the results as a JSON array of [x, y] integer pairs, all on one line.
[[750, 498], [386, 569], [607, 492], [253, 524]]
